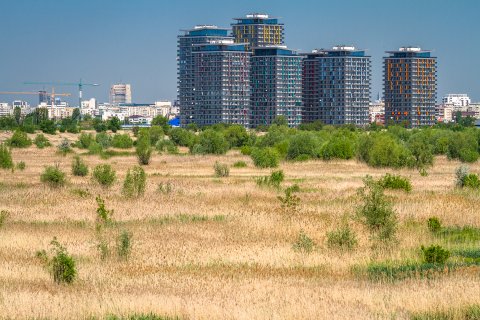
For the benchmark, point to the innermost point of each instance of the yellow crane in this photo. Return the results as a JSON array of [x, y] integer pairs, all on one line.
[[52, 94]]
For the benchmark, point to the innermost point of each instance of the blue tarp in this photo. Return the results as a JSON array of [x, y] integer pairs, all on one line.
[[175, 122]]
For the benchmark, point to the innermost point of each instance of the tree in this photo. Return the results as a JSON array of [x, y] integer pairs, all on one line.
[[17, 113], [114, 124], [48, 126], [99, 125], [212, 142], [143, 148], [161, 121], [76, 115]]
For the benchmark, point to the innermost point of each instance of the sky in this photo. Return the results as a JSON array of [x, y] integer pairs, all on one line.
[[111, 41]]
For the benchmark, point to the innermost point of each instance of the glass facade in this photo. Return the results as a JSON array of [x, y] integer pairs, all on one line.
[[276, 86], [185, 71], [221, 84], [258, 31], [410, 87], [337, 87]]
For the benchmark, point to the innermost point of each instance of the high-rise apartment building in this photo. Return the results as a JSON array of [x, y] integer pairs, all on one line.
[[337, 86], [410, 87], [276, 86], [258, 30], [120, 93], [221, 81], [201, 34]]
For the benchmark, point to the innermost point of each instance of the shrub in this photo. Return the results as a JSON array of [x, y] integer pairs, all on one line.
[[165, 188], [64, 147], [462, 146], [166, 145], [19, 139], [302, 146], [421, 149], [79, 168], [48, 126], [246, 150], [124, 245], [122, 141], [62, 266], [236, 135], [290, 201], [342, 238], [21, 166], [461, 173], [84, 141], [156, 134], [143, 148], [104, 216], [376, 211], [340, 146], [182, 137], [221, 170], [95, 148], [104, 174], [103, 139], [381, 150], [53, 176], [274, 180], [390, 181], [434, 224], [435, 254], [240, 164], [6, 161], [212, 142], [41, 141], [471, 181], [265, 157], [303, 243], [135, 181]]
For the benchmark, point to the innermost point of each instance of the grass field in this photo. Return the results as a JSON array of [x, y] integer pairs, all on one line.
[[221, 248]]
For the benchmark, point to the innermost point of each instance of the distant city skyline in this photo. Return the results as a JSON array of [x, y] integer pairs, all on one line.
[[122, 41]]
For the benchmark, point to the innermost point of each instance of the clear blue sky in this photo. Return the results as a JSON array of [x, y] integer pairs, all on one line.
[[134, 41]]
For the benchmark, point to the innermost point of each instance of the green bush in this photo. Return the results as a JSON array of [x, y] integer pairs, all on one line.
[[166, 145], [340, 146], [182, 137], [471, 181], [343, 238], [62, 266], [303, 244], [221, 170], [421, 149], [212, 142], [382, 150], [122, 141], [135, 182], [53, 176], [103, 139], [302, 146], [41, 141], [376, 211], [48, 126], [64, 147], [79, 168], [246, 150], [274, 180], [104, 216], [21, 166], [461, 173], [19, 139], [156, 134], [290, 202], [104, 174], [265, 157], [390, 181], [463, 146], [236, 136], [3, 217], [84, 141], [143, 148], [6, 161], [434, 224], [240, 164], [435, 254]]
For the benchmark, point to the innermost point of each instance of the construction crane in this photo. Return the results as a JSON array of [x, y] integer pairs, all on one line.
[[52, 94], [80, 85]]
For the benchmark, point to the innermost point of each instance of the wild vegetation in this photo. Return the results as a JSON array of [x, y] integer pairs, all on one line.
[[305, 216]]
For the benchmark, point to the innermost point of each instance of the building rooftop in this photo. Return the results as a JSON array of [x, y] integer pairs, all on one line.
[[338, 50]]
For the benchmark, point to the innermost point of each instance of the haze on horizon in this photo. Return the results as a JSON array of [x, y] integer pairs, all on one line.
[[135, 42]]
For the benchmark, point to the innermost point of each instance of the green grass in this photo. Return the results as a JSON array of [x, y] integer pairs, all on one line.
[[467, 313], [459, 234]]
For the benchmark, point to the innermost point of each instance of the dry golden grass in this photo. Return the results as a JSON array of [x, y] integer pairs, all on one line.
[[238, 266]]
